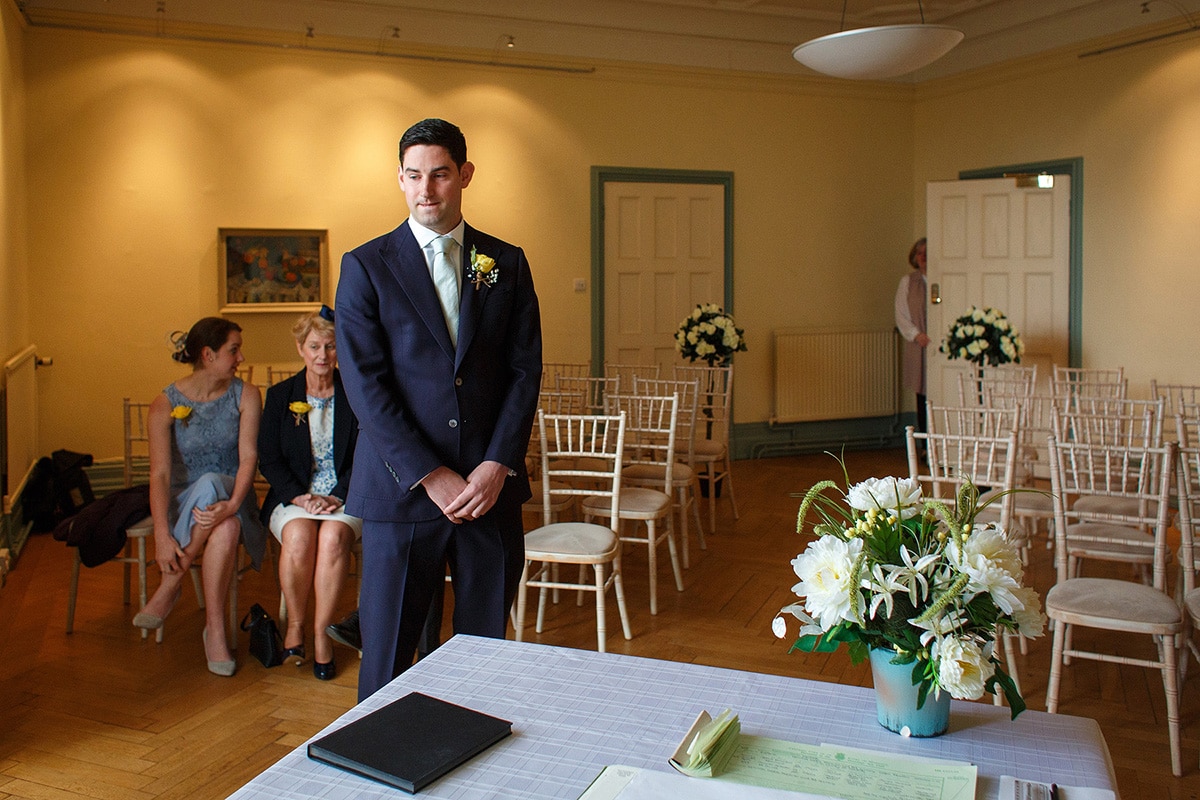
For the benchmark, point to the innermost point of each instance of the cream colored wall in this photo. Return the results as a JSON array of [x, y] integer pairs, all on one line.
[[1134, 117], [139, 149], [14, 287]]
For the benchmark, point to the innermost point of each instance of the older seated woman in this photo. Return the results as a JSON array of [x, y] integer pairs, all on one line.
[[203, 433], [306, 450]]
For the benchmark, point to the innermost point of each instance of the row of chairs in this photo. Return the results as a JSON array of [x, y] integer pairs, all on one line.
[[1093, 392], [1112, 497], [706, 451], [620, 448]]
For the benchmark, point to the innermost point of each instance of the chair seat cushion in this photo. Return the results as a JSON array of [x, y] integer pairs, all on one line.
[[709, 449], [571, 542], [1123, 506], [636, 503], [643, 474], [1191, 602], [144, 527], [1113, 605], [1026, 502], [558, 502], [1109, 541]]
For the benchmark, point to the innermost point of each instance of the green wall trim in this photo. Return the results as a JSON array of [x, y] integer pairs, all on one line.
[[763, 440], [1074, 168], [603, 175]]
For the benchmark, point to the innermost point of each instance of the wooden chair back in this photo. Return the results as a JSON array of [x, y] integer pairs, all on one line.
[[650, 422], [989, 462], [627, 374], [590, 391], [582, 456], [136, 463], [1140, 477], [688, 393]]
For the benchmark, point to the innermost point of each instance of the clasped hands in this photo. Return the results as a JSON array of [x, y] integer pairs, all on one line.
[[317, 503], [463, 500]]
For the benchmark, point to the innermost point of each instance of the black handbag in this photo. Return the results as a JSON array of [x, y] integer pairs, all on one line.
[[265, 642]]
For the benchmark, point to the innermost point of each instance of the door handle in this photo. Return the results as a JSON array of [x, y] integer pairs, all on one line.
[[935, 294]]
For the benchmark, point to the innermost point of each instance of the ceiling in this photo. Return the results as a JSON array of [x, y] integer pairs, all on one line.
[[741, 35]]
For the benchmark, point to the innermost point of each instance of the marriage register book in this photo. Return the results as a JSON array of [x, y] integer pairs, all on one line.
[[411, 742]]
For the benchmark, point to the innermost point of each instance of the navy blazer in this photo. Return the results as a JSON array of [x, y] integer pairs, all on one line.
[[285, 449], [421, 403]]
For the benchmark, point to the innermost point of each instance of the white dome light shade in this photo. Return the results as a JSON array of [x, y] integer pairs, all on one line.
[[887, 51]]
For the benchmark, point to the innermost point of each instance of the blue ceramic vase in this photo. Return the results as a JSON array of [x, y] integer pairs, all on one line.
[[896, 699]]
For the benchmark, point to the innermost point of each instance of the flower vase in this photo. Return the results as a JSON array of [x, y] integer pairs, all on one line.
[[896, 699]]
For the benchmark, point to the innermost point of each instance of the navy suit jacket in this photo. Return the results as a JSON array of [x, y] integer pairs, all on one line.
[[420, 402], [285, 448]]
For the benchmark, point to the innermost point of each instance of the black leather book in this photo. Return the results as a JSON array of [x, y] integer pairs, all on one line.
[[411, 742]]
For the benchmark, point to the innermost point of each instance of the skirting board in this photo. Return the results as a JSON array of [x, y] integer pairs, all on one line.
[[763, 440]]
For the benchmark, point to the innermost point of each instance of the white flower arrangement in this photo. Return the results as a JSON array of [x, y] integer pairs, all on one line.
[[983, 336], [709, 334], [893, 570]]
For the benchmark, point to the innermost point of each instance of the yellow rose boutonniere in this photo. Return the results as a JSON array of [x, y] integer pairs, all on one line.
[[300, 410], [483, 270], [181, 413]]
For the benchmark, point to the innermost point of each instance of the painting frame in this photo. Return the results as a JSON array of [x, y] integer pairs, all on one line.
[[272, 270]]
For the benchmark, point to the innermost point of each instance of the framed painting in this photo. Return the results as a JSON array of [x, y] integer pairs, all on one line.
[[272, 269]]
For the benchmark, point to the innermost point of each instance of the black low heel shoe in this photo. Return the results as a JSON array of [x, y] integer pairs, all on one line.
[[294, 655], [326, 671]]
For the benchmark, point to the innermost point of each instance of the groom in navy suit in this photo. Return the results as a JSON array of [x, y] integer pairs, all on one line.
[[439, 336]]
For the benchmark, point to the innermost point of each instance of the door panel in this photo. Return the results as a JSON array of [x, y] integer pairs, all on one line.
[[992, 243], [664, 253]]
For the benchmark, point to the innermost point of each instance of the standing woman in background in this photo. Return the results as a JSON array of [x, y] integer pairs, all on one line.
[[306, 450], [910, 321], [203, 456]]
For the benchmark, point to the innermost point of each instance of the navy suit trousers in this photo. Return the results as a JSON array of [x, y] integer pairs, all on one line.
[[403, 567]]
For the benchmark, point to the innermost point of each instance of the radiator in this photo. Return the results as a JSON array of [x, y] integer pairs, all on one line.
[[826, 375], [20, 423]]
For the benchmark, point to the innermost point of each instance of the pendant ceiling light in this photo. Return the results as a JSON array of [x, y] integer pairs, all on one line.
[[886, 51]]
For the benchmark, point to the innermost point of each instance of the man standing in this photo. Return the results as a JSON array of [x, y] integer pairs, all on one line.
[[440, 342]]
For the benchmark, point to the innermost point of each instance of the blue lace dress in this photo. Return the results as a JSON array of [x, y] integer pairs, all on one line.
[[204, 465]]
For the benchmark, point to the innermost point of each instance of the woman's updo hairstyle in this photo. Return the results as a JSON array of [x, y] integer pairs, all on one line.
[[210, 332], [319, 321]]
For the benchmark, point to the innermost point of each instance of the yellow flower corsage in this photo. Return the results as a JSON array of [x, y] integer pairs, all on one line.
[[483, 270], [299, 410], [181, 413]]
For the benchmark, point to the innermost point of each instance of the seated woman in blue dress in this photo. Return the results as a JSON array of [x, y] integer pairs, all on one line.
[[306, 449], [203, 433]]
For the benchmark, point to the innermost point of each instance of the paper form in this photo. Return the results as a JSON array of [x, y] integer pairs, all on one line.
[[846, 773]]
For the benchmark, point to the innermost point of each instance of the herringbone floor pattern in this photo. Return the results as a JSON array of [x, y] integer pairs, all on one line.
[[103, 714]]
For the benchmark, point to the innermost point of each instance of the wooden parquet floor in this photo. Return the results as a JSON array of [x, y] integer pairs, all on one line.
[[101, 713]]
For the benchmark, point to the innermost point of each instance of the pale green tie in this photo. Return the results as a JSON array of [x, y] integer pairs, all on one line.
[[445, 280]]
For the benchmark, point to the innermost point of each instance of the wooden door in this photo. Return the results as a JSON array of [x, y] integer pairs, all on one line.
[[664, 252], [993, 243]]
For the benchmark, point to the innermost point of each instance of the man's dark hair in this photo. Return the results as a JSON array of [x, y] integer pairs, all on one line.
[[439, 133]]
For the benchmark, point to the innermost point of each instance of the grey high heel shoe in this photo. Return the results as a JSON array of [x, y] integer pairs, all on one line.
[[223, 668]]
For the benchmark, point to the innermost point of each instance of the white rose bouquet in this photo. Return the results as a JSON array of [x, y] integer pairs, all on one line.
[[983, 336], [893, 570], [709, 334]]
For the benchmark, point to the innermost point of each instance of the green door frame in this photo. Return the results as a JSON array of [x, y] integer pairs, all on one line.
[[1074, 168], [604, 175]]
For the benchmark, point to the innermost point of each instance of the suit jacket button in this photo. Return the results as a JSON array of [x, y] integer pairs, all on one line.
[[453, 423], [458, 381]]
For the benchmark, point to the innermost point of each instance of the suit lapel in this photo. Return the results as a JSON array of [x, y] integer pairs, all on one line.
[[471, 303], [407, 264]]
